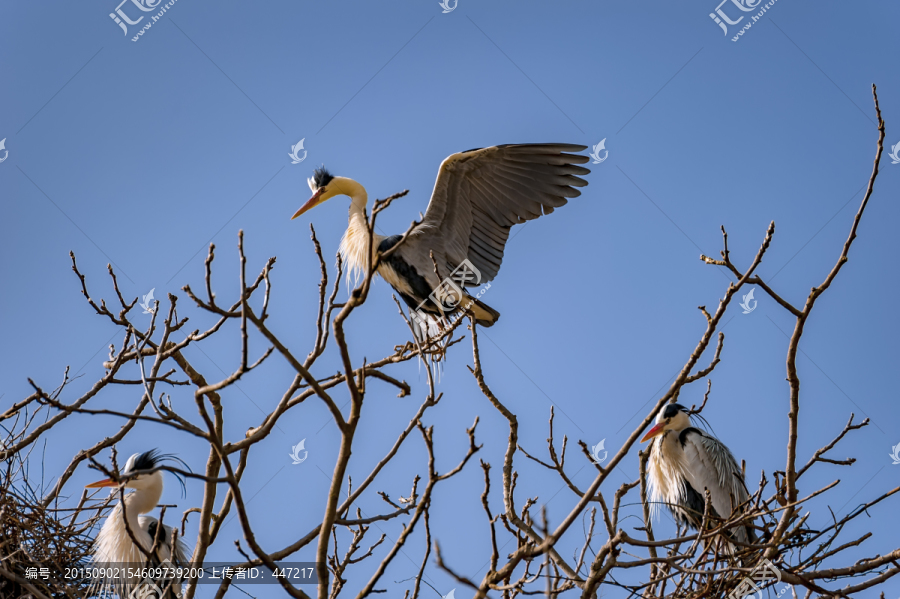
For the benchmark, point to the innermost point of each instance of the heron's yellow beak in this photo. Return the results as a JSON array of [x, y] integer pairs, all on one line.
[[653, 432], [106, 482], [314, 201]]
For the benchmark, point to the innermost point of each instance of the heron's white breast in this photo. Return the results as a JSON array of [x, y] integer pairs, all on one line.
[[354, 246], [668, 471]]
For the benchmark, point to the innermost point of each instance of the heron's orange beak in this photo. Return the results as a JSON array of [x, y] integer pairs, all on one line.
[[106, 482], [313, 201], [656, 430]]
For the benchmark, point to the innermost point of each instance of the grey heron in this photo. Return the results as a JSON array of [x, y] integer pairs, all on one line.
[[114, 547], [684, 463], [478, 196]]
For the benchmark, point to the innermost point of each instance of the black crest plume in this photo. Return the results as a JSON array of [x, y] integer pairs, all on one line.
[[321, 177], [150, 460]]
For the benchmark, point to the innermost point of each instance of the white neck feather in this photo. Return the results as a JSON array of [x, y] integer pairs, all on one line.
[[114, 547], [669, 466], [113, 543], [355, 242], [145, 499]]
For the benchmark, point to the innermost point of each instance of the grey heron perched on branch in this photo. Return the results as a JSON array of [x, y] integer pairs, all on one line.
[[686, 461], [114, 547], [478, 196]]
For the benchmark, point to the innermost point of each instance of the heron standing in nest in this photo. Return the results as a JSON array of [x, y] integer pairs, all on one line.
[[684, 463], [115, 546]]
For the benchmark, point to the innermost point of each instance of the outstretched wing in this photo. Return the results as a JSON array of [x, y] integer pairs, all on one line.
[[710, 465], [480, 194]]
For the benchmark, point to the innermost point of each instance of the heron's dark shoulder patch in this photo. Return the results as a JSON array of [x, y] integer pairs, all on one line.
[[683, 435], [151, 528], [405, 271], [694, 505], [389, 242]]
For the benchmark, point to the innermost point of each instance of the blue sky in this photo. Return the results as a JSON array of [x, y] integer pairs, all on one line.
[[141, 153]]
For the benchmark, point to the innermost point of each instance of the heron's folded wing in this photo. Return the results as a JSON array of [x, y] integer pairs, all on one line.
[[712, 466], [479, 194]]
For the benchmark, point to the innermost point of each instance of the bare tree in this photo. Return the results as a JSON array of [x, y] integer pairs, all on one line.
[[39, 528], [688, 565]]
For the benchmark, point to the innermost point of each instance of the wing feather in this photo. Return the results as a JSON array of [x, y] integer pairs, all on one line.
[[479, 194], [710, 465], [563, 170], [485, 249], [541, 194], [494, 237], [551, 183]]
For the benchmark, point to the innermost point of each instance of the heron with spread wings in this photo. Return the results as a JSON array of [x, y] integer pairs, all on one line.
[[477, 198]]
